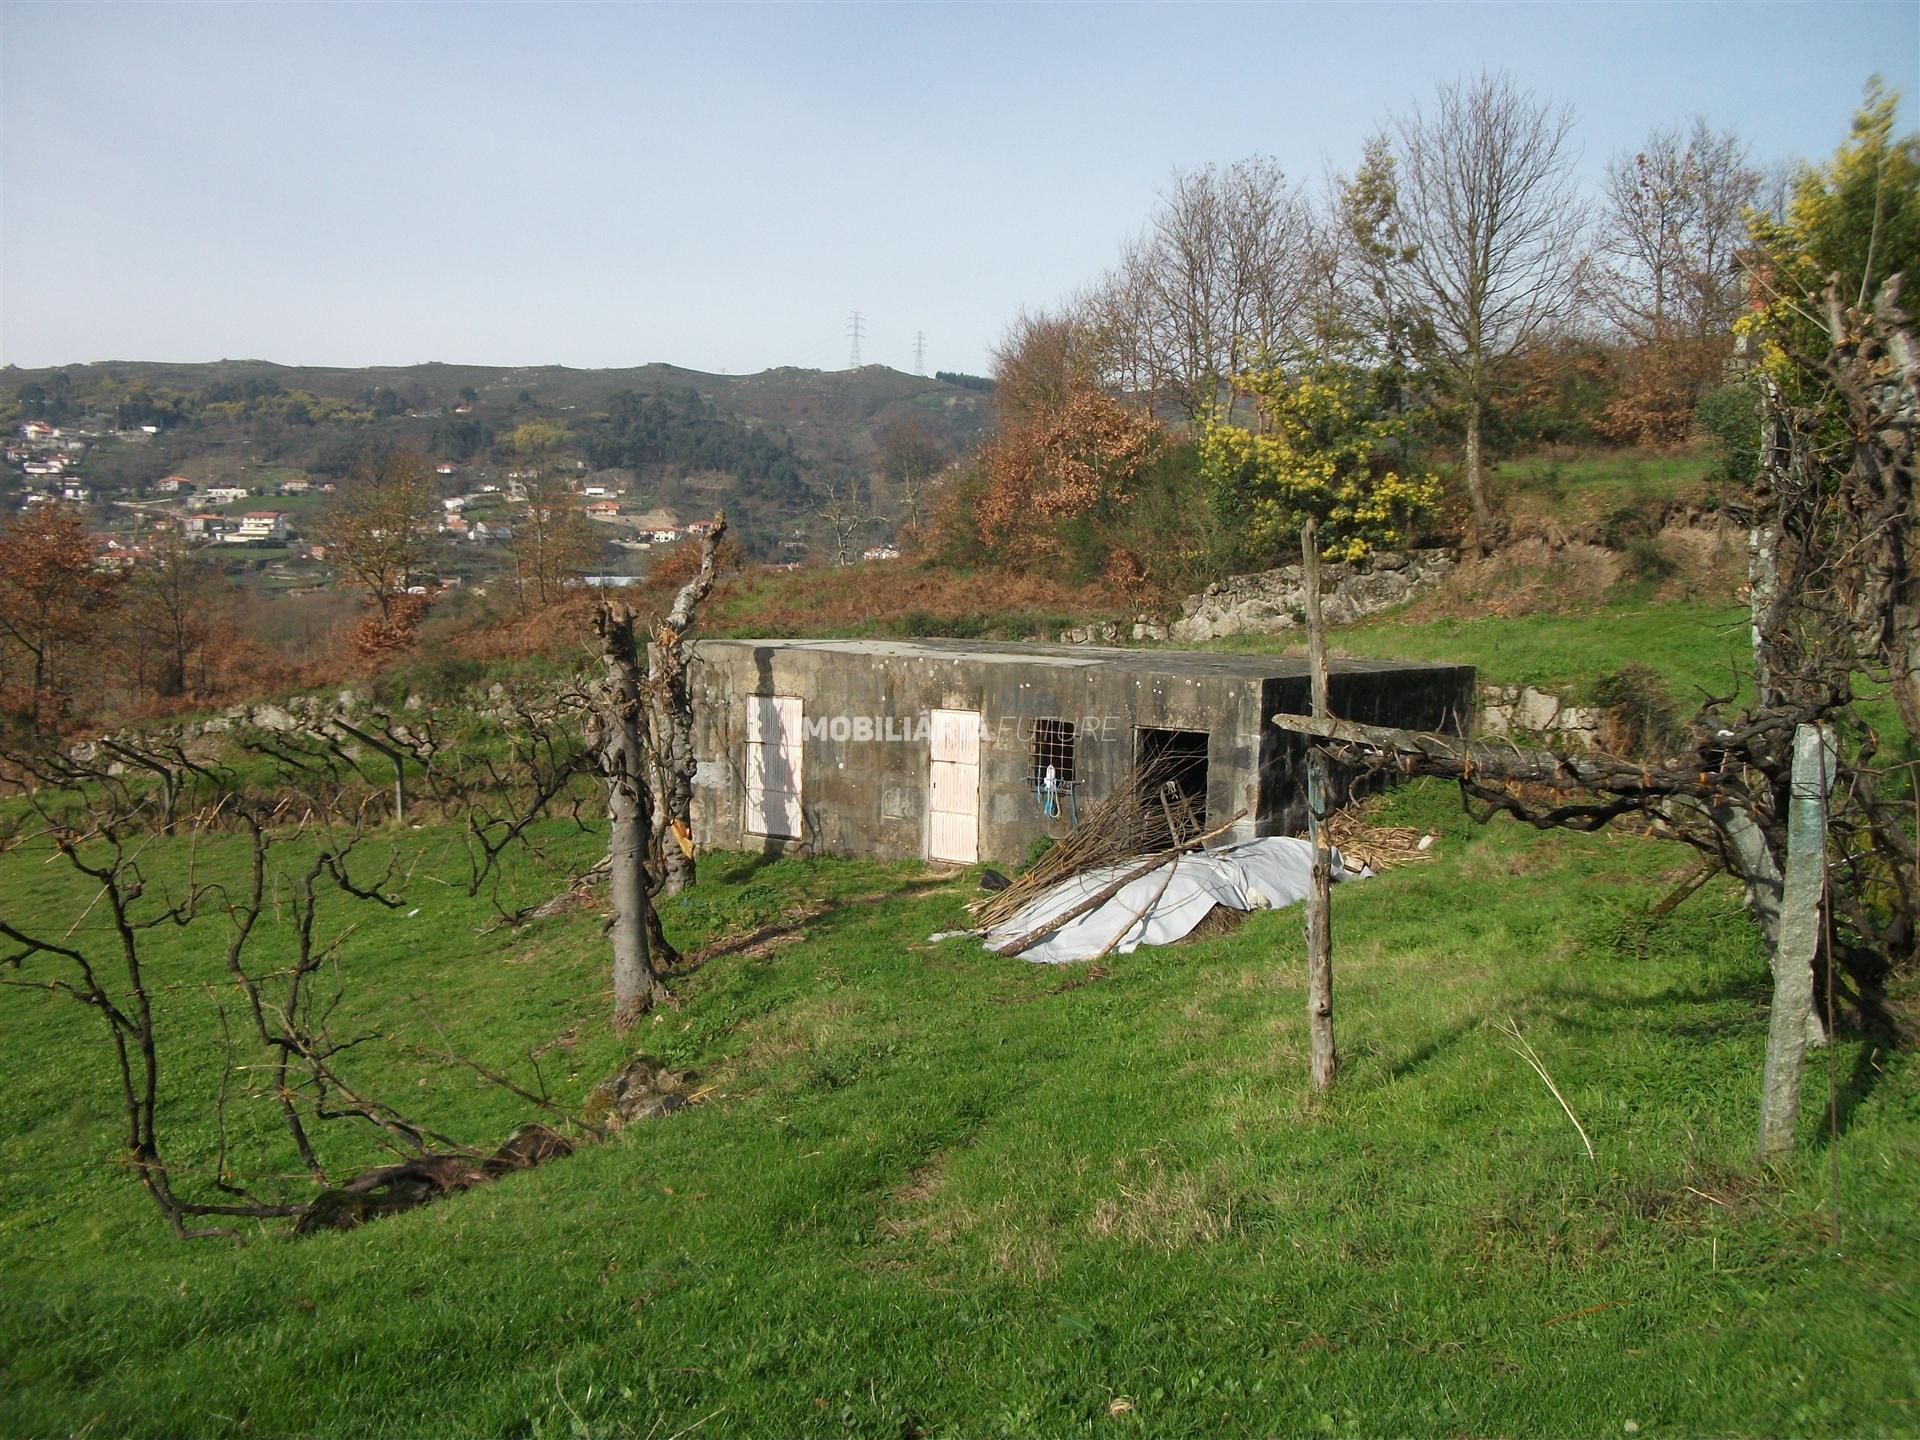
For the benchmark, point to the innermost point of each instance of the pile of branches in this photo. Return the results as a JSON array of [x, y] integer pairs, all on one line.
[[1378, 847], [1146, 815]]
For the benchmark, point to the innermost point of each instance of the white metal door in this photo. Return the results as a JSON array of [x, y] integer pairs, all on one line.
[[953, 784], [774, 734]]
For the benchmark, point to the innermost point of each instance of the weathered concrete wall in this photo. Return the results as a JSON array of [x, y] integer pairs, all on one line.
[[1275, 600], [864, 773], [1411, 697]]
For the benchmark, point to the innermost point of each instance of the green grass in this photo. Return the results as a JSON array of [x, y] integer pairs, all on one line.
[[1591, 486], [938, 1193], [1697, 649]]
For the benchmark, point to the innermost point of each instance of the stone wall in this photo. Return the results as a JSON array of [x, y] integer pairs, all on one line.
[[1275, 600], [1526, 713]]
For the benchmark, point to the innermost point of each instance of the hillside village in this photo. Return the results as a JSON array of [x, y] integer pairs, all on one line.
[[265, 519]]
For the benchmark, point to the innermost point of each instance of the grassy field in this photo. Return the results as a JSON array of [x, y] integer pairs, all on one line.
[[1696, 649], [936, 1193], [1579, 487]]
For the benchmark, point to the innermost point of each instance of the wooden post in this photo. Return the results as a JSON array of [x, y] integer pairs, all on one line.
[[394, 758], [1326, 1060], [622, 762], [1799, 938]]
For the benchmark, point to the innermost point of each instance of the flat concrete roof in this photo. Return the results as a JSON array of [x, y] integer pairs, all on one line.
[[1211, 664]]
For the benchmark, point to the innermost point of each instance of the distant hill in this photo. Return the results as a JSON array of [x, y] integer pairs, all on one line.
[[764, 445], [832, 415]]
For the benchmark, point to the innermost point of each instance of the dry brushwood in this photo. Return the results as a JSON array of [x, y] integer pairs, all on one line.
[[1106, 892], [1145, 815], [1378, 847]]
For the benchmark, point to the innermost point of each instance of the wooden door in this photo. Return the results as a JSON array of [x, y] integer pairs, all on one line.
[[953, 783], [774, 735]]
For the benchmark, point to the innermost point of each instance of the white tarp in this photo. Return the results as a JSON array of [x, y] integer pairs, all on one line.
[[1253, 875]]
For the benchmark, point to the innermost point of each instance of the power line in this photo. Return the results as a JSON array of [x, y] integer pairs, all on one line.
[[856, 325], [919, 352]]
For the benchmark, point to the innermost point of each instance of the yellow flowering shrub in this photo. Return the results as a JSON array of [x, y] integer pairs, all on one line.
[[1313, 455], [1854, 220]]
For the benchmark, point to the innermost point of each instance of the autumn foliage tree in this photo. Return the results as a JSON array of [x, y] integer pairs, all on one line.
[[52, 601], [1078, 462]]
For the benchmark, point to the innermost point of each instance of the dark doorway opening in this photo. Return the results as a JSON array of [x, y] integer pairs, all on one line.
[[1172, 771]]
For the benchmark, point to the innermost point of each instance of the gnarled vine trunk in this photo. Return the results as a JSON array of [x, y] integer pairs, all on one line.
[[621, 752]]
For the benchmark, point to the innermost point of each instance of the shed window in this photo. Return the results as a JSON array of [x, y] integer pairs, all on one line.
[[1050, 764]]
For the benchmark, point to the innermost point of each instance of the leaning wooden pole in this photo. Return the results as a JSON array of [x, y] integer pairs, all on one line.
[[1326, 1060]]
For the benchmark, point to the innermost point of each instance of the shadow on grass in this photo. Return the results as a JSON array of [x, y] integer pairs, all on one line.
[[1424, 1054], [1563, 1004], [806, 918], [1862, 1080]]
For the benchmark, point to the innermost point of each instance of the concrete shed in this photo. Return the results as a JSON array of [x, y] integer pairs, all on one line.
[[956, 750]]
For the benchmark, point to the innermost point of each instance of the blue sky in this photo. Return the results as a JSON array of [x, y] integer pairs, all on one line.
[[720, 186]]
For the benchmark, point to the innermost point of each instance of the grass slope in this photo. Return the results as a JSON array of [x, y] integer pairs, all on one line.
[[937, 1193], [1695, 648]]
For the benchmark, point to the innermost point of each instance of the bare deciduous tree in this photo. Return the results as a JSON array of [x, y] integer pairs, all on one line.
[[844, 513], [1665, 276], [1487, 203], [909, 460], [553, 544], [175, 604], [1044, 357], [1222, 280], [1670, 231], [383, 528]]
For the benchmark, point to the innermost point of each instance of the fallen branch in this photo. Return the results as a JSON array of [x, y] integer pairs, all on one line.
[[1686, 888], [1135, 917]]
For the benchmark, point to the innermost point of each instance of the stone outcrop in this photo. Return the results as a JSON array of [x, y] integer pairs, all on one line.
[[1521, 710], [1107, 632], [1099, 632], [642, 1090], [1274, 601]]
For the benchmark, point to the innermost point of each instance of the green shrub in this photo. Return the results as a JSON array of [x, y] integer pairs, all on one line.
[[1730, 418], [1627, 523], [1647, 559], [1641, 711]]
